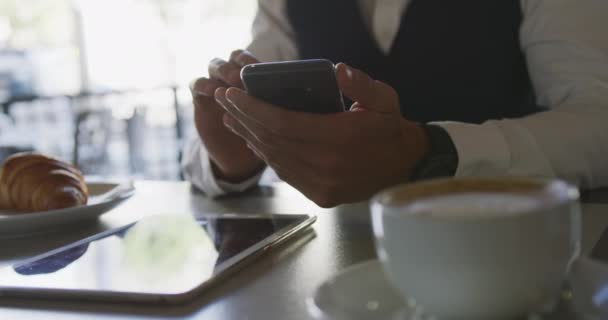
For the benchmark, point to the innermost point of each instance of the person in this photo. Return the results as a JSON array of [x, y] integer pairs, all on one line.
[[439, 88]]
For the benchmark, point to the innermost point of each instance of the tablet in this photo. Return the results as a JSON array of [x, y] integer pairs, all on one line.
[[164, 258]]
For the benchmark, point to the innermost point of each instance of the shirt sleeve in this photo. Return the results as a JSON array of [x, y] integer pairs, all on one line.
[[272, 34], [272, 41], [567, 54], [196, 167]]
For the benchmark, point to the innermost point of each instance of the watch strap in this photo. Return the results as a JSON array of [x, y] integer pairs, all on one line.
[[442, 158]]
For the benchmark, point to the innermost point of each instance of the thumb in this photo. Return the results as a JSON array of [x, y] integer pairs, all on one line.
[[366, 92]]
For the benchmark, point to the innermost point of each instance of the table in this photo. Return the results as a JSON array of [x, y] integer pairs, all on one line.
[[274, 287]]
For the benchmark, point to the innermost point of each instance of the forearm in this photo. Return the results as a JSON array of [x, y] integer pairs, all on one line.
[[570, 142]]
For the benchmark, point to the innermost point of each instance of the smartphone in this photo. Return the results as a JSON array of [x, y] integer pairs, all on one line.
[[304, 85]]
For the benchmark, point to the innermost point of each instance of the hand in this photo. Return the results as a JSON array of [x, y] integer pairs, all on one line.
[[332, 158], [231, 159]]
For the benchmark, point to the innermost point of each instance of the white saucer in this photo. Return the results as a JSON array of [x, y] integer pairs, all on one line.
[[360, 292], [102, 198], [363, 292]]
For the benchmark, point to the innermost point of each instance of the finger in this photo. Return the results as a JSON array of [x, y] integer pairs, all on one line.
[[252, 139], [292, 170], [208, 104], [274, 145], [242, 58], [253, 130], [204, 103], [225, 71], [324, 196], [258, 136], [266, 152], [251, 142], [277, 152], [303, 184], [282, 122], [358, 107], [359, 87], [204, 86]]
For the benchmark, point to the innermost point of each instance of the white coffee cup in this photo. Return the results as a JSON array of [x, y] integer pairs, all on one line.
[[490, 248]]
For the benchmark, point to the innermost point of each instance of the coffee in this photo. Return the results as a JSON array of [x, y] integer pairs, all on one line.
[[478, 248], [474, 205]]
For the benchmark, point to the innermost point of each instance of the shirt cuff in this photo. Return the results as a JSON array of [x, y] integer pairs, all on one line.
[[482, 150], [196, 167], [216, 187]]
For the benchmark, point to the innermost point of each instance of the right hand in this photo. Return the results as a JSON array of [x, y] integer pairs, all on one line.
[[231, 159]]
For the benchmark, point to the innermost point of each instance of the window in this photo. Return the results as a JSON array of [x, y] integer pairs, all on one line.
[[104, 83]]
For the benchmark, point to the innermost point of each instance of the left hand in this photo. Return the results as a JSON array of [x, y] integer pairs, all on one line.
[[332, 158]]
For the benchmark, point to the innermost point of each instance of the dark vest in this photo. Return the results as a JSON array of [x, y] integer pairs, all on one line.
[[451, 60]]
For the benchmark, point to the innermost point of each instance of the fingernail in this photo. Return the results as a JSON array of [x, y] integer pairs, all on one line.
[[349, 72], [202, 90], [219, 96], [232, 95]]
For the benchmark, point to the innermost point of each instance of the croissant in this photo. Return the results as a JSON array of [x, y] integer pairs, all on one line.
[[33, 182]]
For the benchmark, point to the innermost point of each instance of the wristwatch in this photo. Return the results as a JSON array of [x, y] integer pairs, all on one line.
[[442, 158]]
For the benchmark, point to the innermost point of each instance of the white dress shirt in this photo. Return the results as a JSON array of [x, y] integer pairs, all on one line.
[[566, 47]]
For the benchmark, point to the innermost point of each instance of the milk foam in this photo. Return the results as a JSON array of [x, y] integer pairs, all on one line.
[[474, 204]]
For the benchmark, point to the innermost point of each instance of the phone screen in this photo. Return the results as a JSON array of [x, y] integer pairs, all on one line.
[[162, 255]]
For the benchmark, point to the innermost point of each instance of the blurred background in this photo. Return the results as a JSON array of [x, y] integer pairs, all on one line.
[[104, 84]]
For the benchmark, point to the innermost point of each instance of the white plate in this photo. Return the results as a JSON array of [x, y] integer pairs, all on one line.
[[103, 197], [362, 292], [589, 283]]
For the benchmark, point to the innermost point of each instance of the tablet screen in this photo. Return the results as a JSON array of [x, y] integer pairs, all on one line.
[[159, 255]]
